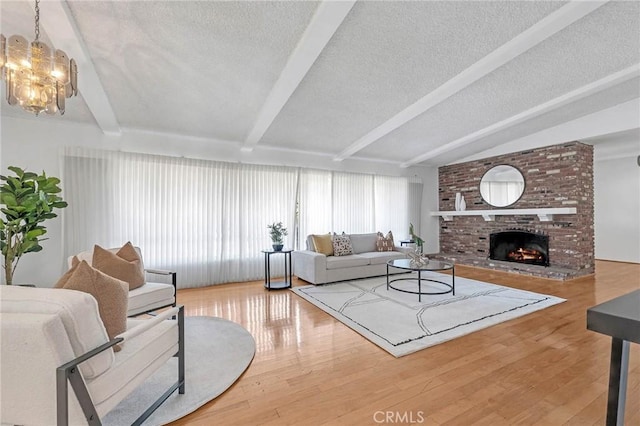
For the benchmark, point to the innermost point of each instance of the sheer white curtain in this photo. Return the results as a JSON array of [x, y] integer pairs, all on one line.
[[398, 203], [315, 205], [207, 220], [357, 203], [353, 203]]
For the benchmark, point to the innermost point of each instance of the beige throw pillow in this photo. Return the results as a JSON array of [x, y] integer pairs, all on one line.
[[385, 243], [124, 265], [112, 295], [63, 279], [323, 244]]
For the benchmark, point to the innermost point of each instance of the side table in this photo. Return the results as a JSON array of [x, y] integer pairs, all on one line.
[[406, 242], [620, 319], [286, 283]]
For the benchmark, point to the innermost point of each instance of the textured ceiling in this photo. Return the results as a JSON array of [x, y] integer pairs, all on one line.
[[222, 70]]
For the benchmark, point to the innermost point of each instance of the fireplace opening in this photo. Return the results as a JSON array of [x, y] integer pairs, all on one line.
[[520, 247]]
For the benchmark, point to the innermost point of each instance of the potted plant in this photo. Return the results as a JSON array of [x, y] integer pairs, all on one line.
[[277, 233], [26, 199], [419, 241]]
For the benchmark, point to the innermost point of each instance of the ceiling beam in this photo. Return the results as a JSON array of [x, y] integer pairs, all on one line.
[[579, 93], [539, 32], [57, 21], [326, 20]]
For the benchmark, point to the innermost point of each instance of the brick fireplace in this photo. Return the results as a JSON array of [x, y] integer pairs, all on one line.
[[555, 176]]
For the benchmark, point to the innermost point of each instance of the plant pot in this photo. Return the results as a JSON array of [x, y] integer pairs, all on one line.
[[277, 247]]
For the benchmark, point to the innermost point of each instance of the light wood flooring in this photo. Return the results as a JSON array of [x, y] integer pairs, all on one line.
[[544, 368]]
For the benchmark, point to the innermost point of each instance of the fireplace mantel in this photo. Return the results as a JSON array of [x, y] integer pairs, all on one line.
[[544, 214]]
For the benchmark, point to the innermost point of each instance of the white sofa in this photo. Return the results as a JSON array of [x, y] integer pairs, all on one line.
[[365, 261], [55, 337]]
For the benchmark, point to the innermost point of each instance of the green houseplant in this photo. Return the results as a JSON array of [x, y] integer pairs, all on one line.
[[26, 199], [277, 233]]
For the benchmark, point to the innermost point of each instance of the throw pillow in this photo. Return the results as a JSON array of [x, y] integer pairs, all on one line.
[[323, 244], [124, 265], [342, 245], [63, 279], [385, 243], [112, 295]]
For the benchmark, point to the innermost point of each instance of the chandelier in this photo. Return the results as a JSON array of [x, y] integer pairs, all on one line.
[[37, 79]]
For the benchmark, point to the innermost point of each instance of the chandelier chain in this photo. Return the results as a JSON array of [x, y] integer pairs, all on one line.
[[37, 20]]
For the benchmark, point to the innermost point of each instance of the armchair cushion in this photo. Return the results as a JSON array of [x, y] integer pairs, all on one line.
[[111, 293], [78, 312], [125, 264]]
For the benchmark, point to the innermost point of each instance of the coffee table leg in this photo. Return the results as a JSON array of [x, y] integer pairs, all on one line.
[[387, 276], [419, 286], [453, 280]]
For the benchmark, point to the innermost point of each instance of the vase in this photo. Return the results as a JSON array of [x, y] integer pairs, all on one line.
[[457, 204], [277, 247], [463, 204]]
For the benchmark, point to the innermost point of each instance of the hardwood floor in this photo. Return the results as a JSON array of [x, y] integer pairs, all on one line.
[[544, 368]]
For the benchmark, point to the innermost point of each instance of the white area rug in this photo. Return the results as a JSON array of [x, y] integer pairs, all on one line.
[[217, 352], [399, 324]]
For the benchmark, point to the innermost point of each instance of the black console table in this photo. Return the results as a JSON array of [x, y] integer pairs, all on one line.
[[286, 283], [620, 319]]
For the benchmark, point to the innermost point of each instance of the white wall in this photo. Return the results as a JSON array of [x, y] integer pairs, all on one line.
[[37, 144], [617, 206]]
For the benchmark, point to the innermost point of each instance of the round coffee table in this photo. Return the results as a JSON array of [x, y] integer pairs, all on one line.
[[429, 265]]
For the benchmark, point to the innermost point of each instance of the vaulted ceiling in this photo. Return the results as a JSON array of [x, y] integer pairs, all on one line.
[[420, 82]]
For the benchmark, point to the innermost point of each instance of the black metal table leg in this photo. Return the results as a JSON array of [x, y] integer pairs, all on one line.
[[618, 370]]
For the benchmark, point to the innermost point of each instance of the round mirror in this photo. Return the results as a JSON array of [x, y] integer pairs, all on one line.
[[502, 186]]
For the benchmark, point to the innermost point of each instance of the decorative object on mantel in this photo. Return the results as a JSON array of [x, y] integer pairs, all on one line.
[[37, 78], [277, 233], [460, 203], [27, 200], [419, 241]]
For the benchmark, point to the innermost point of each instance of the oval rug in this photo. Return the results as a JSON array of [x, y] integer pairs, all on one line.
[[217, 352]]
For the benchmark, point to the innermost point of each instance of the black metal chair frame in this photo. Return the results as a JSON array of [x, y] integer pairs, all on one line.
[[70, 373], [174, 282]]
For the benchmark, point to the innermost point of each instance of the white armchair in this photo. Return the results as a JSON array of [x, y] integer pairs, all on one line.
[[53, 337], [151, 296]]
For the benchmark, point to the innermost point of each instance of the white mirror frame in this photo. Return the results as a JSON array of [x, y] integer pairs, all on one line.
[[502, 186]]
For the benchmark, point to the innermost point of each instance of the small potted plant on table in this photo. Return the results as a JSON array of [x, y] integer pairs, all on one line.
[[277, 233]]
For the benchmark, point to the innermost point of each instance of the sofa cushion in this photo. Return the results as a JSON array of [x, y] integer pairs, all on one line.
[[381, 257], [342, 245], [323, 244], [79, 314], [348, 261], [385, 243], [363, 243], [124, 265], [111, 293]]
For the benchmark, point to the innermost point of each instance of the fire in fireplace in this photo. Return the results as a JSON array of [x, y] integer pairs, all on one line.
[[519, 246]]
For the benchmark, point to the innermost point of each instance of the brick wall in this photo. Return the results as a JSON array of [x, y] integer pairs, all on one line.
[[555, 176]]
